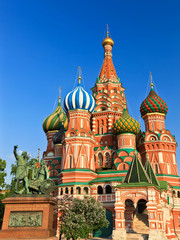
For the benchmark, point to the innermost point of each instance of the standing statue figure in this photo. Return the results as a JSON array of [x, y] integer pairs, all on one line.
[[42, 173], [21, 171]]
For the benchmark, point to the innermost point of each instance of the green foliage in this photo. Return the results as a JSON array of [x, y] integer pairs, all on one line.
[[82, 217], [3, 174], [3, 185]]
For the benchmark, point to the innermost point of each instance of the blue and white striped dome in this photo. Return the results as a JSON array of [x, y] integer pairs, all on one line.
[[79, 99]]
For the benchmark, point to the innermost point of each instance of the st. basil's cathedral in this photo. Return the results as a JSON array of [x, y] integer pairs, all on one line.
[[95, 148]]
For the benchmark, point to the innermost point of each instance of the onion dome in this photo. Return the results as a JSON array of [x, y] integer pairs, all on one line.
[[126, 124], [58, 136], [79, 99], [153, 104], [108, 40], [56, 119]]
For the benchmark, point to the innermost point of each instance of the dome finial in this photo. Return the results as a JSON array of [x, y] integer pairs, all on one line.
[[107, 30], [108, 40], [151, 81], [79, 75], [59, 94]]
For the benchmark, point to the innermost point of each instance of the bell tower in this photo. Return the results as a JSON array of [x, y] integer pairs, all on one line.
[[110, 102]]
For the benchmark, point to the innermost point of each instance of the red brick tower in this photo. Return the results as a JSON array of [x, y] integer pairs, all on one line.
[[78, 142], [157, 143], [110, 101]]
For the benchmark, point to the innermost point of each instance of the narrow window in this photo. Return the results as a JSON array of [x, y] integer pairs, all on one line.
[[108, 189], [178, 194], [152, 126], [100, 158], [101, 130], [168, 168], [81, 123], [71, 190], [66, 190], [86, 190], [124, 167], [78, 190], [100, 190], [82, 161], [156, 168]]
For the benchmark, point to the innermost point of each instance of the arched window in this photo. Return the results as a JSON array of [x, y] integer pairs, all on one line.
[[78, 190], [71, 190], [100, 159], [101, 132], [86, 190], [66, 190], [100, 190], [124, 166], [108, 189], [61, 193], [107, 155], [178, 194]]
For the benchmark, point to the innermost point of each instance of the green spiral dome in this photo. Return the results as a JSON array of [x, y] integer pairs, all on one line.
[[55, 120], [126, 124]]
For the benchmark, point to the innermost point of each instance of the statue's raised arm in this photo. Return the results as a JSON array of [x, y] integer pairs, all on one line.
[[15, 152]]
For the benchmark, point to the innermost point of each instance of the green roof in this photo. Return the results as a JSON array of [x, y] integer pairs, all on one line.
[[136, 184], [151, 173], [107, 179], [136, 172], [110, 171], [73, 183]]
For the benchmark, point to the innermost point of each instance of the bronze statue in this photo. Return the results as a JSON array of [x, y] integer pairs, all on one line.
[[39, 182], [21, 171]]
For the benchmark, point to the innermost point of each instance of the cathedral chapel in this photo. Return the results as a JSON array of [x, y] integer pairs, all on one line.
[[95, 148]]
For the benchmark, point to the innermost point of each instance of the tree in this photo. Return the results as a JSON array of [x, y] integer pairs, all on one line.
[[82, 217], [3, 174]]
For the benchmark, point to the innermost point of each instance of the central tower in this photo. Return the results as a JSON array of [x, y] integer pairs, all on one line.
[[110, 101]]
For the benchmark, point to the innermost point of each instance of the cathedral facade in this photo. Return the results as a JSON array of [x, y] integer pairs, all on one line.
[[95, 148]]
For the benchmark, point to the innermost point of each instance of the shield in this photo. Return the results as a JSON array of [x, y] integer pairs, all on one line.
[[47, 186]]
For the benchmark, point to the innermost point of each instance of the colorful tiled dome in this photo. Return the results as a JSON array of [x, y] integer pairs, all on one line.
[[126, 124], [55, 120], [153, 103], [79, 99], [58, 136]]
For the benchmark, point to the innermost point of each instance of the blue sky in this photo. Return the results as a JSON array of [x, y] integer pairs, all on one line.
[[42, 43]]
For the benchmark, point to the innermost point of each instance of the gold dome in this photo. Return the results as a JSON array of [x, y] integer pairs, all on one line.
[[108, 41]]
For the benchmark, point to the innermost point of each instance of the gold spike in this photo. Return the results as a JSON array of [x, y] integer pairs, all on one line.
[[59, 94], [79, 74], [151, 81], [38, 154], [107, 30]]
